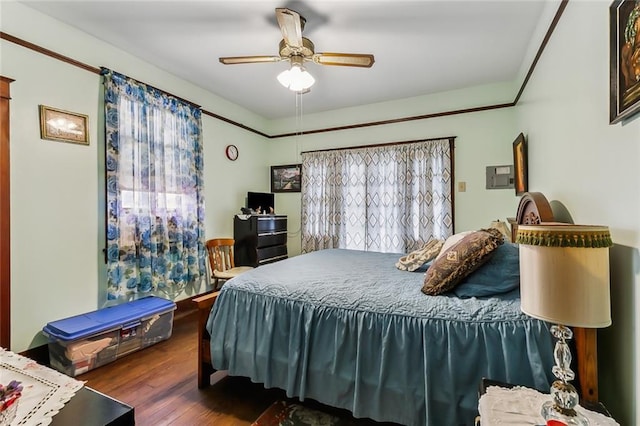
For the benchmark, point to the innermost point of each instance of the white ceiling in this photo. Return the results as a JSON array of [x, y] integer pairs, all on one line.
[[420, 47]]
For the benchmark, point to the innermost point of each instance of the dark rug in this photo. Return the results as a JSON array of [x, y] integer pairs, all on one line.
[[282, 413]]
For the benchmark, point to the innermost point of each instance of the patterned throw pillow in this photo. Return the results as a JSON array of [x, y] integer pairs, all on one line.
[[464, 257], [414, 260], [452, 240]]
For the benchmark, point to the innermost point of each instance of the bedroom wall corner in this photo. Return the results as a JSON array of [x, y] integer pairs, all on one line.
[[616, 343]]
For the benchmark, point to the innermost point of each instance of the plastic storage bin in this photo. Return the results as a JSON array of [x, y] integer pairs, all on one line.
[[83, 342]]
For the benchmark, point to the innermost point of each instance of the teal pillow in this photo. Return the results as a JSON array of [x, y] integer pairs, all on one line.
[[500, 274]]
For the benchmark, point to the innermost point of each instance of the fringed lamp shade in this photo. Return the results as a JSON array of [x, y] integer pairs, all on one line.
[[564, 279], [564, 273]]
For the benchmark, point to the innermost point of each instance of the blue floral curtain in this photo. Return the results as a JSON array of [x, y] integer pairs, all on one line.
[[155, 204]]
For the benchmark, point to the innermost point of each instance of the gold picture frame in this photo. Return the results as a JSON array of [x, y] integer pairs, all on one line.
[[63, 126], [520, 175], [624, 60]]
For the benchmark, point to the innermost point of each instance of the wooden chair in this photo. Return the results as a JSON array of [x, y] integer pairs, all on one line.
[[221, 261]]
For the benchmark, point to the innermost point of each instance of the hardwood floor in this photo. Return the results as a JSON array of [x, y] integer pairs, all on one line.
[[161, 383]]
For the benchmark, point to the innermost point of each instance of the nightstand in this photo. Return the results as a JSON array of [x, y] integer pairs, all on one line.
[[95, 409], [506, 403]]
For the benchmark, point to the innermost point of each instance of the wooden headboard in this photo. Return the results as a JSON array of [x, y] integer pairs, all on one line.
[[534, 208]]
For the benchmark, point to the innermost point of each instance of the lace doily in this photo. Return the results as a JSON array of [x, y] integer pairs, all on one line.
[[45, 391], [520, 406]]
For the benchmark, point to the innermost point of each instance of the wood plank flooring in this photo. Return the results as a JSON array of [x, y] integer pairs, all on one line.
[[161, 383]]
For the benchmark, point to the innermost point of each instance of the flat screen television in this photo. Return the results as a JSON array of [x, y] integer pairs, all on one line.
[[260, 201]]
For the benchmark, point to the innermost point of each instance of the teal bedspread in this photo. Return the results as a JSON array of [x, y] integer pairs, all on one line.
[[348, 329]]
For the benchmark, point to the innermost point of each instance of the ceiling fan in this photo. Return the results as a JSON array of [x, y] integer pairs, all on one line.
[[297, 49]]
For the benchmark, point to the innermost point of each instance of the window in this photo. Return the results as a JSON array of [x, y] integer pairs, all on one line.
[[388, 198]]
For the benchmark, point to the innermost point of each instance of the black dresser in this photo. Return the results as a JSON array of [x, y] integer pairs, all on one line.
[[260, 239]]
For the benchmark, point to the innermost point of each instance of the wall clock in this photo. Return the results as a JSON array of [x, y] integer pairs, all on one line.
[[232, 152]]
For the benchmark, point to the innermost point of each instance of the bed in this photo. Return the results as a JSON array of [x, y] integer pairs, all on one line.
[[350, 330]]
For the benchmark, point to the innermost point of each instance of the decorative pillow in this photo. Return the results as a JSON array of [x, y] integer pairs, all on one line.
[[500, 274], [414, 260], [464, 257], [452, 240]]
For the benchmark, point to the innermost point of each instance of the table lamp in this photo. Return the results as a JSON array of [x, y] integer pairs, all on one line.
[[564, 280]]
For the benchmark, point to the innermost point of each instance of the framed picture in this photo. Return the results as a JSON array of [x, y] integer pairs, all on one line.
[[624, 57], [520, 165], [63, 126], [286, 178]]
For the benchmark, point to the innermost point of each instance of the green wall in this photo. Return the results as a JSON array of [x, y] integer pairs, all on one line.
[[57, 219], [591, 168]]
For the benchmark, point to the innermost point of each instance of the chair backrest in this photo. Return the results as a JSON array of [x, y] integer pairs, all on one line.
[[220, 254]]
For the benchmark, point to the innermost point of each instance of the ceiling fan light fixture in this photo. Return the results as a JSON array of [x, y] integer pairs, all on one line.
[[297, 49], [296, 79]]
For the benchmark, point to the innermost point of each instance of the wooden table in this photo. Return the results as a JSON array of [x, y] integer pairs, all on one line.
[[89, 407]]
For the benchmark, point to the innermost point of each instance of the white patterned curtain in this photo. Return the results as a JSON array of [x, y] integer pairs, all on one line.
[[155, 203], [388, 198]]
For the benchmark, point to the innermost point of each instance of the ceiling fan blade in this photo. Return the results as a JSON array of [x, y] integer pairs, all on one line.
[[344, 59], [291, 24], [232, 60]]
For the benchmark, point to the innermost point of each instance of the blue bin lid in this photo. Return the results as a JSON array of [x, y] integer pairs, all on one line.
[[104, 319]]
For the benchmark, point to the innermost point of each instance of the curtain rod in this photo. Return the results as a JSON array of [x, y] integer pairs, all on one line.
[[105, 70], [450, 138]]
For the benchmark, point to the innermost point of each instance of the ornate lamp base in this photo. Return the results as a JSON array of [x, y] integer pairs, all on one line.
[[565, 396]]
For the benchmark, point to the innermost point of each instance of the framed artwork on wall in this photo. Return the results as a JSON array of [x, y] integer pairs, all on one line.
[[63, 126], [624, 59], [520, 178], [286, 178]]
